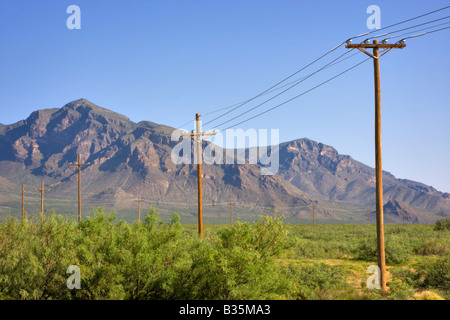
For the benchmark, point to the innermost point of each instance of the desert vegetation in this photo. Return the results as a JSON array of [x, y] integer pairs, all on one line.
[[266, 259]]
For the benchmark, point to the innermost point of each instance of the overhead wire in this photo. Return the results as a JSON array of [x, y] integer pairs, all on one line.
[[297, 96], [283, 86], [425, 33], [274, 86], [414, 31], [417, 35], [401, 22], [415, 26], [277, 95], [239, 105]]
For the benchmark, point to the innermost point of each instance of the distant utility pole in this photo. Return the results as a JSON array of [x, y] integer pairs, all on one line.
[[139, 216], [231, 212], [23, 202], [79, 165], [368, 216], [42, 191], [313, 213], [403, 211], [198, 137], [379, 183]]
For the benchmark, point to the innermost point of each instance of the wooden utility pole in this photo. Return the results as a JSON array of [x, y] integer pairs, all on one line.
[[198, 137], [368, 216], [313, 213], [379, 183], [42, 191], [231, 212], [23, 202], [79, 165], [139, 216], [403, 216]]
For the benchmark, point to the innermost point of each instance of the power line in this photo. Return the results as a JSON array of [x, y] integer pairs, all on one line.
[[404, 34], [415, 26], [181, 126], [274, 86], [279, 105], [277, 95], [425, 33], [239, 105], [298, 71], [303, 93], [279, 87], [401, 22]]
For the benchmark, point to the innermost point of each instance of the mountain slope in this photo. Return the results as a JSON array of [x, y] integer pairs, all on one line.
[[322, 172], [128, 159]]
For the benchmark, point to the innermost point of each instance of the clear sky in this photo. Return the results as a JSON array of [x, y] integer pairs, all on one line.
[[163, 61]]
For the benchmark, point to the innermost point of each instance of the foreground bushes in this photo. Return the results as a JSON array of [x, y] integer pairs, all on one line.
[[152, 260], [442, 224], [156, 260]]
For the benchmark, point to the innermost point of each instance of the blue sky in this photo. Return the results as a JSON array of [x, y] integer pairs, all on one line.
[[163, 61]]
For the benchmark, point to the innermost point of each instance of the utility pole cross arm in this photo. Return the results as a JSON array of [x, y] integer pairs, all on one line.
[[373, 45]]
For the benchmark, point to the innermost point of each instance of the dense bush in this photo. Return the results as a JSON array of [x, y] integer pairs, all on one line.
[[152, 260], [432, 247], [317, 281], [400, 290], [260, 260], [442, 224], [435, 274], [427, 274], [397, 249]]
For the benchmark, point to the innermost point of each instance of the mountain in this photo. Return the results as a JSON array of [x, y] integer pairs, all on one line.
[[395, 211], [127, 159], [323, 173]]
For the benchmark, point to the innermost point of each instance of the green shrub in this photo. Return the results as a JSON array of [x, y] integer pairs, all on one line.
[[313, 282], [152, 260], [407, 276], [34, 258], [442, 224], [268, 236], [399, 290], [397, 249], [432, 247], [435, 274]]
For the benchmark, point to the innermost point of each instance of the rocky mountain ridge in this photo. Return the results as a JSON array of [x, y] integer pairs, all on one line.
[[130, 158]]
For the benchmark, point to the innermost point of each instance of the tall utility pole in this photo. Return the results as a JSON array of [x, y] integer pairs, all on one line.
[[42, 191], [379, 183], [79, 165], [23, 202], [403, 216], [198, 137], [368, 216]]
